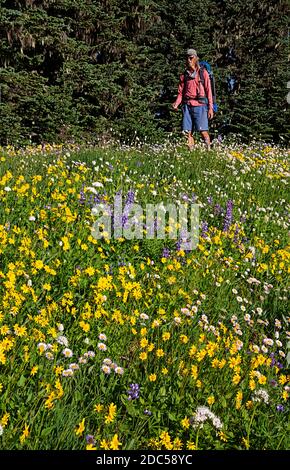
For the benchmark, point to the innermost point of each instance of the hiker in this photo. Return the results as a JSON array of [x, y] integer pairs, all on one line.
[[195, 94]]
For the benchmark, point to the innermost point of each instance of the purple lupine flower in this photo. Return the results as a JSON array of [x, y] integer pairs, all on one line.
[[273, 362], [204, 229], [236, 234], [130, 197], [147, 412], [82, 198], [124, 219], [91, 200], [90, 439], [209, 200], [129, 201], [155, 224], [273, 383], [280, 408], [178, 244], [229, 216], [133, 392], [166, 253], [217, 209]]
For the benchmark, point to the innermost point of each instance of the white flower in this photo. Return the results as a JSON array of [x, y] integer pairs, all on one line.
[[82, 360], [106, 369], [92, 190], [62, 340], [102, 347], [119, 370], [253, 280], [268, 341], [1, 430], [74, 366], [60, 327], [261, 395], [91, 354], [68, 373], [203, 414], [143, 316], [97, 184], [42, 347], [239, 344], [217, 422], [67, 352], [7, 189], [107, 361], [186, 312], [102, 337]]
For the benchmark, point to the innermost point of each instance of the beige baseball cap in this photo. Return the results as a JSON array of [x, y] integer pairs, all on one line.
[[191, 52]]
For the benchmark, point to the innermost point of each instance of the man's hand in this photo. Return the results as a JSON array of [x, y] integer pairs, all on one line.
[[210, 113], [174, 106]]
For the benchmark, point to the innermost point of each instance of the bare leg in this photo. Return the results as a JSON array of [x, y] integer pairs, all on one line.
[[206, 138], [190, 140]]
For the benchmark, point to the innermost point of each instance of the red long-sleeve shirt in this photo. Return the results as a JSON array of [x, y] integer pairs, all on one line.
[[193, 86]]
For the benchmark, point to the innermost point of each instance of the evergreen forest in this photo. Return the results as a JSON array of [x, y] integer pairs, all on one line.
[[84, 69]]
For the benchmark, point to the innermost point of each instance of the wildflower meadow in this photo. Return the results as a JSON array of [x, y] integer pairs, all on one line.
[[126, 344]]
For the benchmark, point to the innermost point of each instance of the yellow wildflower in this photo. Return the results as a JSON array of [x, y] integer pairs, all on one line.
[[115, 443], [185, 423], [111, 413], [152, 377], [81, 427]]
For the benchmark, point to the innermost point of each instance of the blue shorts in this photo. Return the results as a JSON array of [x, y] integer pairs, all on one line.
[[195, 118]]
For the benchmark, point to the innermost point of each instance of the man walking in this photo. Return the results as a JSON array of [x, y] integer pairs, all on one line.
[[195, 95]]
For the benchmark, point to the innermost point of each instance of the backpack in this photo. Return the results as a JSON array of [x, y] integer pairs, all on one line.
[[204, 65]]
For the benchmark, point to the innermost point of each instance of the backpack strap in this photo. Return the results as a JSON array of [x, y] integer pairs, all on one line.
[[201, 75], [212, 81]]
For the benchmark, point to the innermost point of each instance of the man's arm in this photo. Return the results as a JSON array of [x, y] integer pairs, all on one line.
[[179, 92]]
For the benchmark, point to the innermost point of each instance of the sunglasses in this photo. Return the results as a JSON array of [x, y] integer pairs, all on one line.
[[191, 57]]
